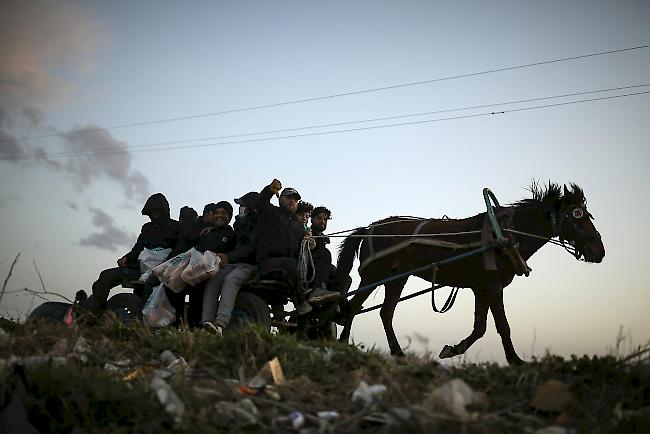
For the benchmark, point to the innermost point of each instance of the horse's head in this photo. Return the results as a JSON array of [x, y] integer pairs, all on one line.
[[574, 225]]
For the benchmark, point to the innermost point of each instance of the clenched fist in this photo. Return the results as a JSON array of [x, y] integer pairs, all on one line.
[[275, 186]]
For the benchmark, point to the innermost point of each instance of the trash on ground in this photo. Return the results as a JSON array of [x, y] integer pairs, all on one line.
[[393, 418], [168, 398], [368, 394], [243, 412], [81, 349], [328, 416], [297, 419], [173, 363], [272, 393], [270, 372], [140, 371], [455, 396], [60, 348], [553, 396]]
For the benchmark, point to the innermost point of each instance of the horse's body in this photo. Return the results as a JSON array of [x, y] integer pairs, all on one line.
[[550, 213]]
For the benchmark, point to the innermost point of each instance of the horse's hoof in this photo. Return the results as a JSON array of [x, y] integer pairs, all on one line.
[[398, 354], [447, 352]]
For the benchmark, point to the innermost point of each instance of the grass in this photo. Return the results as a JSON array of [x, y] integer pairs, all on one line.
[[85, 394]]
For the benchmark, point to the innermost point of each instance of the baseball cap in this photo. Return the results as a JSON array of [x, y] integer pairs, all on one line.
[[290, 192]]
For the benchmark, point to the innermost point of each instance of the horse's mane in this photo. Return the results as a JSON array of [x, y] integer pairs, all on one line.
[[550, 194]]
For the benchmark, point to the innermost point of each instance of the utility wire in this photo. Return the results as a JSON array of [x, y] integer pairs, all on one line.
[[66, 154], [336, 95], [476, 115]]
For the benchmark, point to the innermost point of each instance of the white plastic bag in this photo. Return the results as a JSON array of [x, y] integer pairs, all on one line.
[[158, 311], [149, 258], [169, 272], [202, 266]]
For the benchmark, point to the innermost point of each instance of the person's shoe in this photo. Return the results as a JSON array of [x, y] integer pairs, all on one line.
[[303, 308], [213, 328], [320, 296]]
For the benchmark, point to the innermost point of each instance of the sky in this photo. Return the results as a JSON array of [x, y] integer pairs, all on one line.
[[216, 77]]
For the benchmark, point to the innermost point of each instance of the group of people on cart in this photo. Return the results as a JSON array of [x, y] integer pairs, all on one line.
[[263, 238]]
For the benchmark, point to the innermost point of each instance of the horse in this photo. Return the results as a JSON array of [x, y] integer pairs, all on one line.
[[527, 225]]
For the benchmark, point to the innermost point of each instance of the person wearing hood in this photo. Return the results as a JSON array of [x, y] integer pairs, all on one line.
[[223, 288], [161, 231]]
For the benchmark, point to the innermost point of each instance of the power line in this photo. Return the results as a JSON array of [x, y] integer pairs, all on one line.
[[336, 95], [94, 151], [476, 115]]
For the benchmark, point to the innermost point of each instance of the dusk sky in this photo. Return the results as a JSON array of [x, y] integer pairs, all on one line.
[[161, 84]]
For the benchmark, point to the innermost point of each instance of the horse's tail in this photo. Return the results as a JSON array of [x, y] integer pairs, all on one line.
[[348, 251]]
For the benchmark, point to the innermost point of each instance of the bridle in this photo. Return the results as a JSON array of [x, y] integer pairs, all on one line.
[[576, 212]]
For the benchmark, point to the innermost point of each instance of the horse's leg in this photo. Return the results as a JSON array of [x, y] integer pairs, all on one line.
[[495, 299], [480, 322], [393, 292], [355, 305]]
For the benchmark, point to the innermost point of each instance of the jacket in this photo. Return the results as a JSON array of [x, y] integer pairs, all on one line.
[[190, 235], [163, 232], [218, 239], [245, 249], [278, 231]]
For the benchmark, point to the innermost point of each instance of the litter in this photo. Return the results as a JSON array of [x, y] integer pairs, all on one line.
[[368, 394], [455, 396], [175, 364], [243, 412], [297, 419], [328, 416], [553, 396], [168, 398], [393, 418], [138, 372]]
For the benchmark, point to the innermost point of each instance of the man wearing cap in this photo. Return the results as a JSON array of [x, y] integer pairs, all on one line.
[[161, 232], [280, 234], [223, 288]]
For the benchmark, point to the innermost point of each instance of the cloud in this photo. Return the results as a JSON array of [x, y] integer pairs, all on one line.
[[115, 164], [109, 237], [72, 206], [44, 47], [37, 37]]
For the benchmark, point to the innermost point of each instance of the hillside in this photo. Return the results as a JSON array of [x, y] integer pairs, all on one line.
[[109, 378]]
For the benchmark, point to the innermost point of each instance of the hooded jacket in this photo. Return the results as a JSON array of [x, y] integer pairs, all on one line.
[[163, 232], [278, 231]]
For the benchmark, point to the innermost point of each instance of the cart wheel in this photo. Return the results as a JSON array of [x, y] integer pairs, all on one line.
[[127, 307], [50, 311], [250, 308]]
